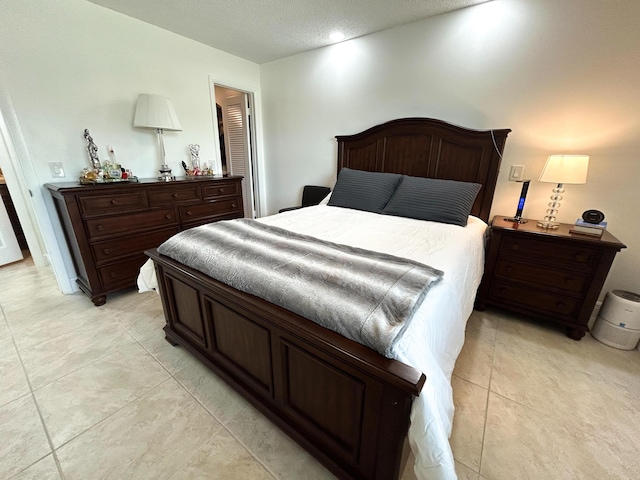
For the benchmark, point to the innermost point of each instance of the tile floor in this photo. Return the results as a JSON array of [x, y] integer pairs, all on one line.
[[91, 393]]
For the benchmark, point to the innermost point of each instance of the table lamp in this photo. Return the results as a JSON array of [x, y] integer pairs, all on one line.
[[155, 111], [561, 169]]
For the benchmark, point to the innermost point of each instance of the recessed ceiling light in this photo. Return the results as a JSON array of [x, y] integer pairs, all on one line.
[[336, 36]]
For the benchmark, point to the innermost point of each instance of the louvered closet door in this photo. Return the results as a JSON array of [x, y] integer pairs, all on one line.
[[238, 149]]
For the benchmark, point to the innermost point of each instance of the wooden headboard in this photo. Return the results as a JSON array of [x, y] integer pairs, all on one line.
[[425, 147]]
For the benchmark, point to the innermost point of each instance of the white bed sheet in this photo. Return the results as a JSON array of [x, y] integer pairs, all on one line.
[[435, 336]]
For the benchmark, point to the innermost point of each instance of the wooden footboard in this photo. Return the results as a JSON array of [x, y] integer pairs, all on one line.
[[344, 403]]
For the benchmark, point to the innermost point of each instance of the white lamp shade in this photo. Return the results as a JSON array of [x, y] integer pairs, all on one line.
[[565, 169], [155, 111]]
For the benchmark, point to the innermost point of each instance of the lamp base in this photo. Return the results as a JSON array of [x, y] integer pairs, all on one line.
[[165, 173], [515, 220], [549, 225]]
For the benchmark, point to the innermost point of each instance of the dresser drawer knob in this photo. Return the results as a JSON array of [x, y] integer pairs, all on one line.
[[221, 190], [100, 228], [508, 269], [114, 202], [189, 212], [581, 257], [167, 216], [234, 205], [560, 304], [515, 246], [503, 290], [175, 195], [113, 274], [107, 251]]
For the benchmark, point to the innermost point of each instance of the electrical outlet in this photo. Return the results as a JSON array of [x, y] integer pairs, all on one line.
[[57, 170], [517, 173]]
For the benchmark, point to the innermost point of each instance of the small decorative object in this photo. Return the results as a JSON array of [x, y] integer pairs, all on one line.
[[517, 218], [111, 171], [194, 150], [593, 216], [92, 149], [561, 169]]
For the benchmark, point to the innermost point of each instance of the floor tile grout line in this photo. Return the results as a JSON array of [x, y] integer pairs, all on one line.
[[225, 425], [35, 402], [111, 414]]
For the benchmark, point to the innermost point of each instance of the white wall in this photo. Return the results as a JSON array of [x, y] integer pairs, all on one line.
[[563, 75], [71, 65]]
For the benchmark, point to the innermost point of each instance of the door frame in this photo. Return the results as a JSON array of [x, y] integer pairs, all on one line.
[[26, 194], [255, 138]]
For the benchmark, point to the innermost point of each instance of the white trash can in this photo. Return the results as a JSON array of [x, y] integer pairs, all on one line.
[[618, 322]]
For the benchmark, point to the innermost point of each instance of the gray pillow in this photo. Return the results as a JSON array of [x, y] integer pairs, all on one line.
[[444, 201], [360, 190]]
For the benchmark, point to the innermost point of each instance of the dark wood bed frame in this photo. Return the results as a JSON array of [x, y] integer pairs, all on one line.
[[344, 403]]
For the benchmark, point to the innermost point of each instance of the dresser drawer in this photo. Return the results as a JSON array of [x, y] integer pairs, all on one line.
[[542, 276], [218, 208], [221, 189], [550, 253], [102, 227], [92, 205], [121, 274], [120, 247], [173, 196], [555, 305]]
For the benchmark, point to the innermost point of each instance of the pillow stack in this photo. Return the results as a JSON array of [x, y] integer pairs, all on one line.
[[435, 200]]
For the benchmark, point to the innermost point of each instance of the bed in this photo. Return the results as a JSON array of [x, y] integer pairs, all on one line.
[[346, 404]]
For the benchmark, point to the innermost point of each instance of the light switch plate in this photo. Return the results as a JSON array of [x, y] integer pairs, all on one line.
[[57, 170], [517, 173]]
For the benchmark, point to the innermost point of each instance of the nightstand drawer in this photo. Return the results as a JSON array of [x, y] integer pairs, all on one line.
[[112, 203], [102, 227], [542, 276], [173, 195], [196, 213], [555, 305], [551, 253]]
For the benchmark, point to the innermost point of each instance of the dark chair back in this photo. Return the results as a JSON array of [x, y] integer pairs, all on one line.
[[313, 195]]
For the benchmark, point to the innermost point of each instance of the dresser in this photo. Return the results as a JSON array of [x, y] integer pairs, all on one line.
[[109, 226], [551, 275]]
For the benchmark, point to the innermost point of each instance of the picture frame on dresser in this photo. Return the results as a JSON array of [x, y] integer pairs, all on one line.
[[107, 227], [551, 275]]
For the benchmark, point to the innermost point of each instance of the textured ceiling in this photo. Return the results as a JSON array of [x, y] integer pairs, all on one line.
[[265, 30]]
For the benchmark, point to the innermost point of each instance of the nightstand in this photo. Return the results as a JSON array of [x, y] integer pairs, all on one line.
[[552, 275]]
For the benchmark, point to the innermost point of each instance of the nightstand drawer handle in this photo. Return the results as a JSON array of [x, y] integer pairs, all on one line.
[[560, 304], [167, 216], [107, 251], [175, 195], [114, 202], [508, 269], [234, 205], [503, 290], [515, 246], [581, 257], [100, 227], [189, 212], [113, 274], [221, 190]]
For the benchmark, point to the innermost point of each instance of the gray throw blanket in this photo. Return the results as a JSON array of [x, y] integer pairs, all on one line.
[[366, 296]]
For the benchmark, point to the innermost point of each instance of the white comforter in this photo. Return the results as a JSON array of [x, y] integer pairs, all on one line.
[[435, 336]]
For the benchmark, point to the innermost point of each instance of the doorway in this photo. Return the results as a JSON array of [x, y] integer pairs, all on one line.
[[13, 244], [236, 140]]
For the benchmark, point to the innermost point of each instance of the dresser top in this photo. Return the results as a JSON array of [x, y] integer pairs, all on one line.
[[141, 181], [531, 228]]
